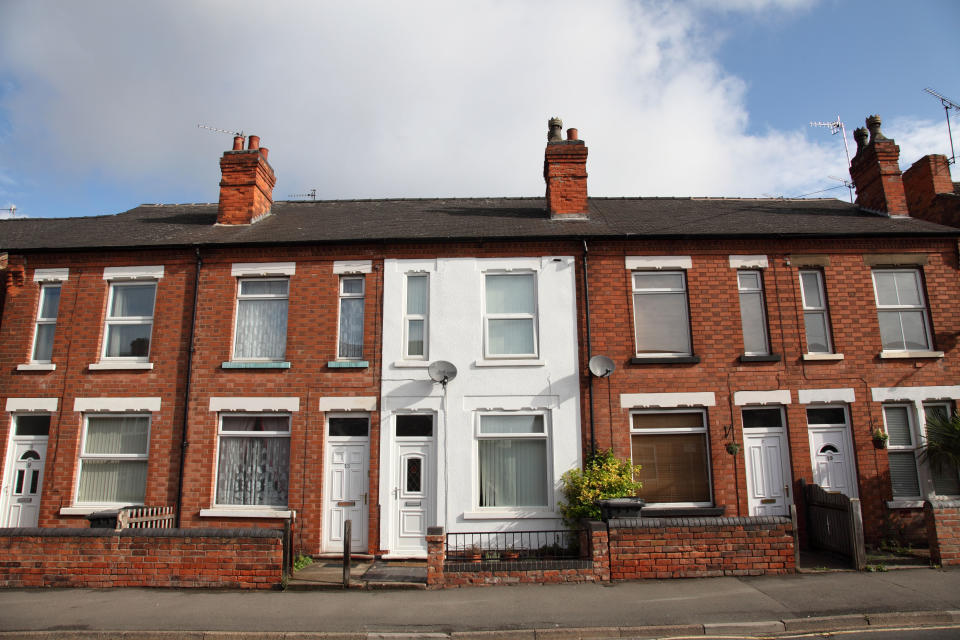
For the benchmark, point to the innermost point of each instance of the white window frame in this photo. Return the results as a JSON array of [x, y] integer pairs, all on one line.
[[814, 310], [251, 434], [408, 317], [240, 297], [922, 307], [45, 321], [916, 411], [534, 317], [704, 429], [128, 320], [764, 324], [145, 456], [637, 294], [545, 436], [350, 296]]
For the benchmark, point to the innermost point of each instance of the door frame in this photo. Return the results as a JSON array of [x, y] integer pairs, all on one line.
[[786, 470], [852, 475], [430, 478], [6, 486], [328, 442]]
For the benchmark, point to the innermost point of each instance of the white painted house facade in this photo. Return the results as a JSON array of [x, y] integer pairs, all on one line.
[[485, 451]]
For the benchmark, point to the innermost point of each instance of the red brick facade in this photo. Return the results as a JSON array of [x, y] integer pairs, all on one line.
[[943, 531]]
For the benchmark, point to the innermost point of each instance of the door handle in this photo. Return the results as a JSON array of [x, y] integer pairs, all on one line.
[[364, 498], [395, 492], [786, 490]]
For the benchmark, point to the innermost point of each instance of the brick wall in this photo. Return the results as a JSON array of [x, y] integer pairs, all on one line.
[[700, 547], [98, 558], [943, 531]]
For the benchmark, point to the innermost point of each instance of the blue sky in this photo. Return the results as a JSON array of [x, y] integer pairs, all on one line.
[[99, 100]]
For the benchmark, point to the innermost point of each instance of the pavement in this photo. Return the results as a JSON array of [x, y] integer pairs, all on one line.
[[751, 607]]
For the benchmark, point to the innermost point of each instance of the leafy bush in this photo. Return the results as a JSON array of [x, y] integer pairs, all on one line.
[[603, 476], [942, 449], [301, 562]]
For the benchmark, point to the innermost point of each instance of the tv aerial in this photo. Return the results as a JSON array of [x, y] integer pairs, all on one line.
[[601, 366], [837, 127], [216, 130], [947, 105], [12, 209], [442, 371], [312, 194]]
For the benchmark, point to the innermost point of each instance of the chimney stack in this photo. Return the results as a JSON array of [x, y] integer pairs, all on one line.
[[876, 171], [565, 172], [246, 183]]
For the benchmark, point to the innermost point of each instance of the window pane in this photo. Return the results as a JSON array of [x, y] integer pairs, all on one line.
[[256, 423], [261, 329], [513, 472], [352, 285], [946, 480], [652, 280], [674, 420], [903, 474], [511, 424], [351, 328], [128, 340], [826, 416], [415, 337], [117, 435], [347, 426], [815, 323], [32, 426], [908, 291], [754, 323], [112, 481], [419, 426], [133, 300], [914, 329], [414, 474], [891, 336], [513, 336], [886, 288], [749, 280], [50, 303], [810, 282], [898, 426], [417, 294], [661, 323], [762, 419], [43, 347], [264, 287], [510, 294], [253, 471], [674, 467]]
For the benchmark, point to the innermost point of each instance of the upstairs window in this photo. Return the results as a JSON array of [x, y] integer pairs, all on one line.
[[350, 344], [902, 310], [816, 318], [129, 323], [660, 315], [261, 332], [753, 313], [46, 322], [415, 316], [510, 325]]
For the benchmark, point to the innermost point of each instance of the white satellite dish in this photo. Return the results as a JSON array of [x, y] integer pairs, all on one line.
[[442, 371], [601, 366]]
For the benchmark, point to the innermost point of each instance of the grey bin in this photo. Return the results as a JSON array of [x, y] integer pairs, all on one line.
[[613, 508], [104, 519]]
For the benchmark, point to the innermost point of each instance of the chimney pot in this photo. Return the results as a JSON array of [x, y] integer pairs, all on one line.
[[873, 124], [572, 134], [555, 126], [860, 135], [264, 152], [238, 143], [253, 142]]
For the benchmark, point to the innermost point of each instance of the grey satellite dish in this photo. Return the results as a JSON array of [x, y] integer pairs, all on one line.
[[601, 366], [442, 371]]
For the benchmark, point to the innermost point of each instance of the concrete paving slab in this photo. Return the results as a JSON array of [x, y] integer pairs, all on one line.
[[826, 623], [750, 628], [512, 634], [662, 631], [578, 633], [908, 618]]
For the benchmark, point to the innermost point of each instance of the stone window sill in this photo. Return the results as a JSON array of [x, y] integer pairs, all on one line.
[[37, 366], [911, 354], [770, 357], [411, 364], [120, 366], [240, 512], [509, 363], [666, 360], [236, 364], [508, 515], [348, 364], [85, 511], [823, 356], [905, 504]]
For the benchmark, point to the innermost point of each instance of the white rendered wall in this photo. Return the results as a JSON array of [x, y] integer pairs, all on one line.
[[548, 384]]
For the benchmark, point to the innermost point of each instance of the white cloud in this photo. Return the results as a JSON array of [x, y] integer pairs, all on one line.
[[370, 99]]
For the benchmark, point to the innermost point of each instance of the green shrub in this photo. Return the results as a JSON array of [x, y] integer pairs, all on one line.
[[301, 562], [603, 476]]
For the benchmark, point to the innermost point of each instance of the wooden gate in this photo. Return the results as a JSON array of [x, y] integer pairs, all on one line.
[[834, 523]]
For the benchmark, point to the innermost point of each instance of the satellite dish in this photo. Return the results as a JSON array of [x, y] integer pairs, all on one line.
[[601, 366], [442, 371]]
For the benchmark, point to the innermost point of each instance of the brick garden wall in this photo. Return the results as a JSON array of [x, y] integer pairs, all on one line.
[[97, 558], [943, 531]]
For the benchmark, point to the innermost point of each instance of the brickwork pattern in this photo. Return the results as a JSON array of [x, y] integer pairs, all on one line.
[[943, 531], [98, 559]]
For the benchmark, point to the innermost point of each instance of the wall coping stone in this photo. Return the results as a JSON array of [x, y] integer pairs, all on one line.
[[76, 532], [944, 504], [723, 521]]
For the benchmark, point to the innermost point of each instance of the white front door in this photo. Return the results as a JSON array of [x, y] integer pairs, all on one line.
[[347, 482], [830, 455], [767, 462], [413, 497], [25, 483]]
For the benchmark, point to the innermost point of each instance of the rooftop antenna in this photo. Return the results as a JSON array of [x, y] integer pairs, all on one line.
[[215, 129], [12, 209], [312, 194], [947, 105], [837, 127]]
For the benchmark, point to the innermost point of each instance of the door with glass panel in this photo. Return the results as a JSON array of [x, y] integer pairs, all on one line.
[[23, 488], [347, 482], [831, 450], [414, 490], [767, 462]]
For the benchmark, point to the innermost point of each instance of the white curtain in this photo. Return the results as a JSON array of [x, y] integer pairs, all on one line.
[[261, 329], [513, 473], [351, 328], [252, 470], [133, 301]]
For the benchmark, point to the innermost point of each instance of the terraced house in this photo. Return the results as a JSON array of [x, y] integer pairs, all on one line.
[[251, 362]]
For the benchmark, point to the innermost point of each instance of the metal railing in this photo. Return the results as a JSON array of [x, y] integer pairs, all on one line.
[[507, 546]]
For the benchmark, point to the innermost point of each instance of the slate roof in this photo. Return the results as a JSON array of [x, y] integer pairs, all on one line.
[[340, 221]]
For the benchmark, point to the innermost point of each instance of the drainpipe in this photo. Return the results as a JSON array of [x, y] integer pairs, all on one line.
[[186, 391], [586, 307]]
